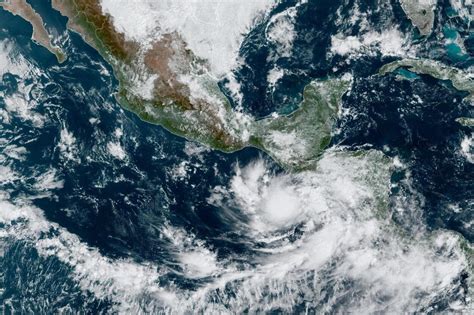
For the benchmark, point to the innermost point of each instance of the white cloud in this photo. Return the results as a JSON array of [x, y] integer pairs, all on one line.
[[116, 150], [390, 42], [467, 148], [213, 30]]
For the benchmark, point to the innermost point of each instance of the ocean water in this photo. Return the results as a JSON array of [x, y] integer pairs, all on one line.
[[103, 213]]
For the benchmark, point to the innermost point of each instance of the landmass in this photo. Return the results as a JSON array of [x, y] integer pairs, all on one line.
[[40, 35], [420, 13], [466, 121], [461, 80], [297, 140], [164, 82], [168, 80]]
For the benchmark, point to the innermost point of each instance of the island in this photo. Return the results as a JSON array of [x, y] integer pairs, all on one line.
[[461, 80], [169, 69]]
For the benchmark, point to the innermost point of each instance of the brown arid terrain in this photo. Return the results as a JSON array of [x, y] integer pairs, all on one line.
[[40, 34], [164, 82], [166, 59]]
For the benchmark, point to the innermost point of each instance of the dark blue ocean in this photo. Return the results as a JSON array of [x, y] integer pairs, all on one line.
[[118, 205]]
